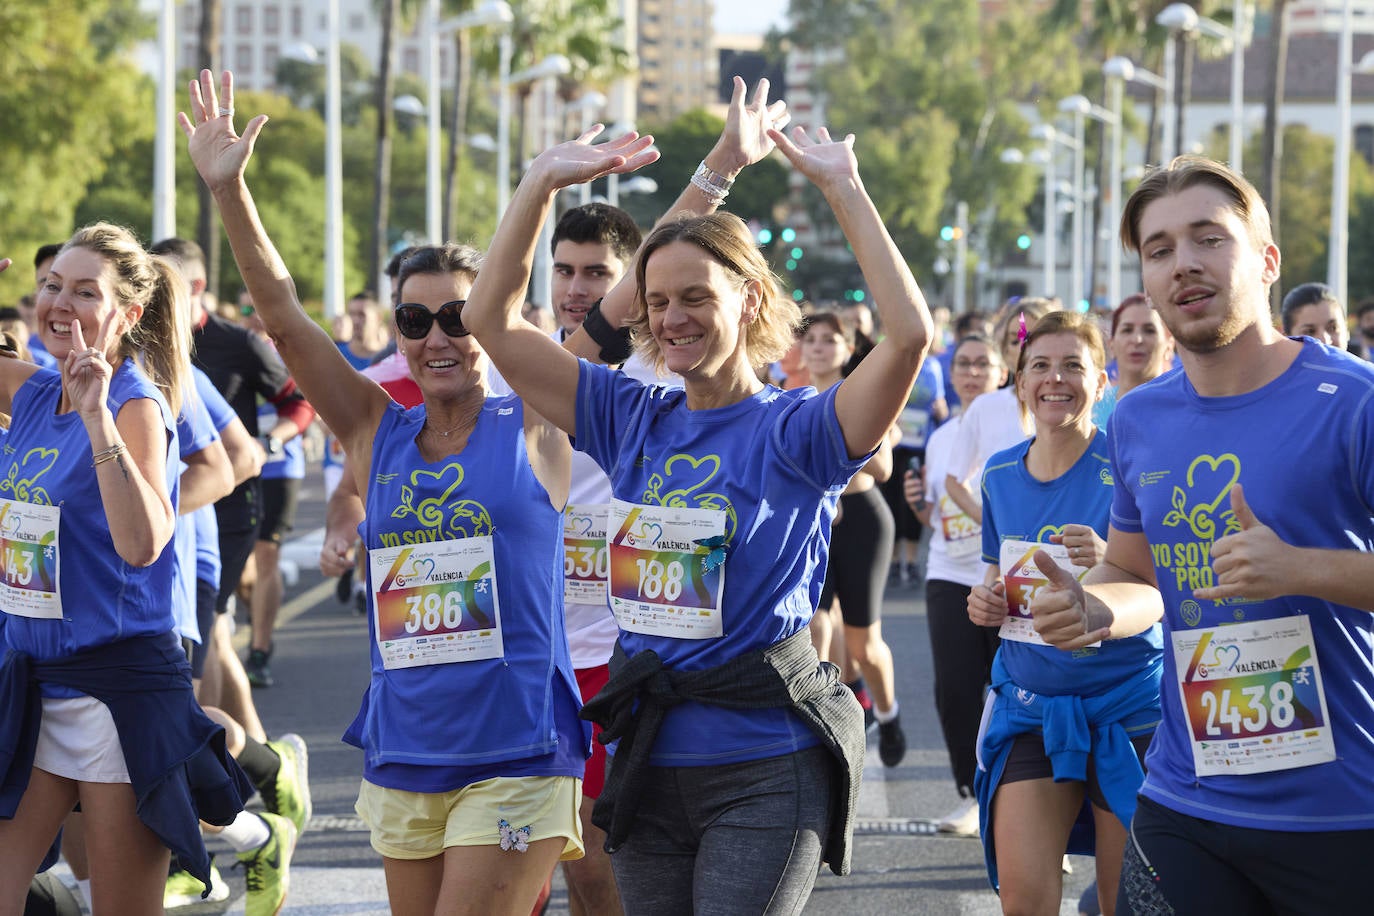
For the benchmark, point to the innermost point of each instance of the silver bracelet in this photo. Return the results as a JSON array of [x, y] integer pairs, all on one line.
[[712, 183], [714, 195]]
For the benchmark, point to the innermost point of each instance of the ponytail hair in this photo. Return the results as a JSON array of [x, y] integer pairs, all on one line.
[[160, 341]]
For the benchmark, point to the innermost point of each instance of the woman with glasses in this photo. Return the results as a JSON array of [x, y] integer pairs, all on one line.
[[473, 748], [961, 650]]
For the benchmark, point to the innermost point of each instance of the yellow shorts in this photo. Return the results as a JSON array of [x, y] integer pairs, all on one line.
[[421, 825]]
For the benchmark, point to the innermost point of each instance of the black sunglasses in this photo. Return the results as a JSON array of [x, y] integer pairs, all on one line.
[[414, 320]]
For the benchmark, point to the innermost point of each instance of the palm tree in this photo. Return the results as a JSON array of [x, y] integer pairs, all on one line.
[[207, 221]]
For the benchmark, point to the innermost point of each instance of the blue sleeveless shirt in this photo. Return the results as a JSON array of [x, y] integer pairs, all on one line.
[[438, 727]]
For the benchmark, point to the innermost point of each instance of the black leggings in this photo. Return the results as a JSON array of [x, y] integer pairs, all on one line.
[[962, 653], [1179, 864], [860, 545]]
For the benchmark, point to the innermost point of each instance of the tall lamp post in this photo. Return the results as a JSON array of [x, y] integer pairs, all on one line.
[[1080, 107], [493, 12], [1182, 19], [333, 158], [551, 67], [1077, 106], [1337, 267], [587, 104], [164, 142]]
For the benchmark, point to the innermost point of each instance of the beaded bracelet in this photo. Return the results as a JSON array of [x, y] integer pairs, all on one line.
[[711, 183]]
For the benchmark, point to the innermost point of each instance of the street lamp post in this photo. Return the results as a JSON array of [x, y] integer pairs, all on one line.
[[164, 144], [587, 105], [619, 129], [1081, 108], [1077, 106], [1337, 272], [1182, 20], [553, 65], [548, 69]]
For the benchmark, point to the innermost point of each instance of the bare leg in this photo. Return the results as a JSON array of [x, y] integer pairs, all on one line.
[[236, 697], [128, 861], [26, 837], [871, 655], [1031, 822], [1110, 846], [267, 593]]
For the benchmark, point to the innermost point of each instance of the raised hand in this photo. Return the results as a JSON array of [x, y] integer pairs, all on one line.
[[219, 153], [1252, 563], [827, 163], [577, 161], [745, 139], [987, 605], [1059, 610], [86, 372]]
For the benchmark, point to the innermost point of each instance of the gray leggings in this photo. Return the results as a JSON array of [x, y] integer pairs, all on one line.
[[742, 838]]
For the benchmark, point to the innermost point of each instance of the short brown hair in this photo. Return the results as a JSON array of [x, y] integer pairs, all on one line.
[[1185, 172], [724, 238], [1061, 322]]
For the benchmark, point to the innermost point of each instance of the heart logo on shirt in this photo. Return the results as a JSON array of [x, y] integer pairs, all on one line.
[[1209, 483]]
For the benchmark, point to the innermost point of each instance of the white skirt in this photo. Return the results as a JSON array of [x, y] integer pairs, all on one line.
[[78, 740]]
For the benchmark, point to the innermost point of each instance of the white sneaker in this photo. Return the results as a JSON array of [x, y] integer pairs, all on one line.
[[962, 821]]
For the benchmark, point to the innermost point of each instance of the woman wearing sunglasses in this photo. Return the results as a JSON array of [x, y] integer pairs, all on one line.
[[735, 744], [473, 748]]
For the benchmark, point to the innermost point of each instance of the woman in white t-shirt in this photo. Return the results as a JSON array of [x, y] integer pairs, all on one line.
[[961, 650]]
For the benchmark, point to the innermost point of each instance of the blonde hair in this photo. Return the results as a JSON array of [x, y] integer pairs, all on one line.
[[724, 238], [160, 341]]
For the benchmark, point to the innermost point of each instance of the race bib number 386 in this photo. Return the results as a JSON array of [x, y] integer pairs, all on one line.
[[1252, 695]]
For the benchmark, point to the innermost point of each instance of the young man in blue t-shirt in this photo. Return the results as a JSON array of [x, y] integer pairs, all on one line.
[[1258, 797]]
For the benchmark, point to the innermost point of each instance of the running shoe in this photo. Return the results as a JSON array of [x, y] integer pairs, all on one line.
[[891, 742], [267, 869], [259, 675], [962, 821], [184, 889], [289, 794]]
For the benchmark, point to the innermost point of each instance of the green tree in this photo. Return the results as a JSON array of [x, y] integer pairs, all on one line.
[[67, 95]]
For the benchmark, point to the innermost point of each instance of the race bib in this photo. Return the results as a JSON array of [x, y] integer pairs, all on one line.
[[586, 561], [915, 426], [963, 536], [667, 569], [1252, 695], [436, 603], [1024, 580], [29, 560]]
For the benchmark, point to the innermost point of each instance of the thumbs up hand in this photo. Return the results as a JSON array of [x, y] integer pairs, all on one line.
[[1059, 610], [1252, 563]]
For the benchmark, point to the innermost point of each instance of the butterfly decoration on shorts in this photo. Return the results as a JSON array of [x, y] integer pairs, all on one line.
[[517, 838], [715, 552]]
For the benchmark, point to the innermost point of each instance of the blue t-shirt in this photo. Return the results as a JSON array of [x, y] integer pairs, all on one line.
[[289, 463], [207, 524], [946, 363], [357, 362], [1016, 506], [775, 464], [434, 728], [917, 421], [1303, 449], [195, 433], [46, 460]]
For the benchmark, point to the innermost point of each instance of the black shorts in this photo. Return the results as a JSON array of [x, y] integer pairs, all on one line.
[[908, 525], [860, 547], [1027, 760], [279, 496], [1183, 865], [206, 592]]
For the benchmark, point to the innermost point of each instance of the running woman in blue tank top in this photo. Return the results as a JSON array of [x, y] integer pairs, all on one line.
[[473, 749], [723, 498], [1060, 727], [95, 694], [1259, 797]]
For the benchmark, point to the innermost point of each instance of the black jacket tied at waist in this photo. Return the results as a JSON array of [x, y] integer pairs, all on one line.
[[630, 709]]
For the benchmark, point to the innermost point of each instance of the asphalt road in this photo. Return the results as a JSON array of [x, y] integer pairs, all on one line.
[[900, 865]]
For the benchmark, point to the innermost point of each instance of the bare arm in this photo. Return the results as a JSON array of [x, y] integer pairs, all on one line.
[[1116, 599], [871, 397], [342, 517], [245, 453], [743, 142], [963, 498], [349, 403], [208, 477], [537, 369]]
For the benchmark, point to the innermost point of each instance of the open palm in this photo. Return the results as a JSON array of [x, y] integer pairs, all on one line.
[[577, 161], [746, 136], [824, 161], [219, 153]]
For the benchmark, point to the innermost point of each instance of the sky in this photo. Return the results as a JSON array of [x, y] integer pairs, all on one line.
[[748, 17]]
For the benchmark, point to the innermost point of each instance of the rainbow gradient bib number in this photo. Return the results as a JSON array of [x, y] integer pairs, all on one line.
[[586, 561], [666, 578], [1024, 580], [29, 560], [1252, 695], [963, 536], [436, 603]]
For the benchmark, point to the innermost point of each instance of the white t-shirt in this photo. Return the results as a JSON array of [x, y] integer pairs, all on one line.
[[591, 628], [967, 569], [991, 424]]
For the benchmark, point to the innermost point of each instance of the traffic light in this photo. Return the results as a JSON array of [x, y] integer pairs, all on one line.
[[1023, 241], [788, 234], [798, 295], [796, 254], [950, 233], [765, 236]]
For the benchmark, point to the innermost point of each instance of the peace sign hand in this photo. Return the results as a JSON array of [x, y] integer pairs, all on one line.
[[220, 155], [86, 372]]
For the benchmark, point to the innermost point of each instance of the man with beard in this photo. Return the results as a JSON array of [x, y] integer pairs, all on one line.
[[1258, 797]]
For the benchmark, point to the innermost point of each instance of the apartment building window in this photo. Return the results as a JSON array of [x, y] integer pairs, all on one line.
[[270, 53], [243, 58], [356, 22], [296, 24], [271, 19], [243, 20], [410, 60]]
